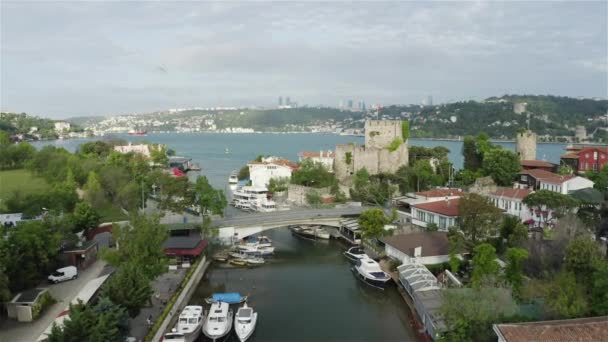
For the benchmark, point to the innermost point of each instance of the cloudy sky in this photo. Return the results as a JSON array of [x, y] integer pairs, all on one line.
[[61, 59]]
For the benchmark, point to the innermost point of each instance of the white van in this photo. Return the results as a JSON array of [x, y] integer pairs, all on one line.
[[63, 274]]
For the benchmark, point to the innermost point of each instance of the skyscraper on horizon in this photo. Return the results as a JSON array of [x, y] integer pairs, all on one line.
[[350, 104], [287, 101], [280, 101]]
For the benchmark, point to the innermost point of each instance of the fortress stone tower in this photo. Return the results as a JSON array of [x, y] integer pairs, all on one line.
[[526, 145], [385, 150]]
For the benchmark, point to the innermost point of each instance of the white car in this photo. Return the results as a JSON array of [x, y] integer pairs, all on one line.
[[63, 274]]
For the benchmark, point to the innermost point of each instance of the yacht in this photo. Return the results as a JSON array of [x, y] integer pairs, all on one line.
[[219, 321], [255, 250], [233, 179], [260, 241], [245, 322], [369, 271], [189, 325], [355, 253]]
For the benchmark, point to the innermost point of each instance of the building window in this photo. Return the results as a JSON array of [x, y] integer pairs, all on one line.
[[431, 218], [442, 222]]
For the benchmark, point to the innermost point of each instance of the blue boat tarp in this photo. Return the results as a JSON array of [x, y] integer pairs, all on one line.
[[230, 297]]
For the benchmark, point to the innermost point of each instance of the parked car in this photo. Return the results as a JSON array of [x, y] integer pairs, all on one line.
[[63, 274]]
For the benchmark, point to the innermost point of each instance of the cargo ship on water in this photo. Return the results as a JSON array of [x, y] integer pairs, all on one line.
[[138, 132]]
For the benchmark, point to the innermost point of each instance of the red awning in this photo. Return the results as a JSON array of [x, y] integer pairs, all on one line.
[[177, 172], [196, 251]]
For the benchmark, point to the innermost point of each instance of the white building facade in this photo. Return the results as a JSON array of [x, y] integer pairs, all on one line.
[[511, 202], [260, 173], [566, 186], [442, 213], [325, 158]]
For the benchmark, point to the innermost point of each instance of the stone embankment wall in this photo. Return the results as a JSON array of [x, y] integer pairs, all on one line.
[[296, 194]]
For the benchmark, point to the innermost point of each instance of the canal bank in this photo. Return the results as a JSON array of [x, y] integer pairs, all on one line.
[[307, 292]]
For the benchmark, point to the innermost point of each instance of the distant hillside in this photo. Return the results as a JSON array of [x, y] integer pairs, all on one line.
[[84, 121], [552, 116]]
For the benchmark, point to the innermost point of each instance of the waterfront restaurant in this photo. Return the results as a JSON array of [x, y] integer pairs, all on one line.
[[350, 231], [184, 248]]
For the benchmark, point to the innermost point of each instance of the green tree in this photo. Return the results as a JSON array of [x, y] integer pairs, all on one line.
[[581, 255], [158, 154], [129, 287], [472, 160], [243, 173], [372, 222], [502, 165], [566, 298], [514, 269], [85, 217], [313, 198], [545, 200], [278, 184], [599, 289], [513, 231], [485, 266], [141, 243], [375, 190], [31, 250], [94, 194], [312, 174], [207, 198], [565, 170], [479, 218]]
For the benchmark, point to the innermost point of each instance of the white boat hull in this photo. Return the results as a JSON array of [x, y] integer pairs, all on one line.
[[215, 332], [244, 331]]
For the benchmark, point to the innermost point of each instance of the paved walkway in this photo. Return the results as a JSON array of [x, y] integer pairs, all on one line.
[[13, 331], [164, 288]]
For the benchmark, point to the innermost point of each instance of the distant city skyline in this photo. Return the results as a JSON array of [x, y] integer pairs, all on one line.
[[65, 59]]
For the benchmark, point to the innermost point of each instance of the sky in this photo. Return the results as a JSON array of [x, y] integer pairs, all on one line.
[[65, 59]]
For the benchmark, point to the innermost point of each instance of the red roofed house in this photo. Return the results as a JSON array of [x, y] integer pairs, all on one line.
[[405, 203], [443, 213], [261, 172], [538, 164], [326, 158], [583, 158], [184, 248], [510, 201], [570, 330], [537, 179]]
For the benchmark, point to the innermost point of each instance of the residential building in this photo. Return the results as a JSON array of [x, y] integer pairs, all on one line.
[[510, 201], [584, 158], [537, 179], [443, 213], [425, 248], [326, 158], [578, 329], [61, 126], [404, 204], [538, 164], [260, 173]]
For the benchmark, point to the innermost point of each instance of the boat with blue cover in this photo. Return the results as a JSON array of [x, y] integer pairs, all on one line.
[[229, 297]]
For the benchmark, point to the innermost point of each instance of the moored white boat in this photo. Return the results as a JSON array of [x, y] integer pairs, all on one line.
[[189, 325], [233, 179], [245, 321], [356, 253], [219, 321], [369, 271]]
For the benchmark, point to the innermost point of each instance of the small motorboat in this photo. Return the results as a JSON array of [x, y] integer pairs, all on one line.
[[238, 262], [219, 321], [369, 271], [254, 261], [228, 297], [255, 250], [189, 325], [221, 257], [356, 253], [245, 322], [259, 241], [233, 179], [321, 233]]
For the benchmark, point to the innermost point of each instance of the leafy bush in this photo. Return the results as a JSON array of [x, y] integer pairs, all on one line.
[[349, 157], [45, 300], [405, 130], [394, 145]]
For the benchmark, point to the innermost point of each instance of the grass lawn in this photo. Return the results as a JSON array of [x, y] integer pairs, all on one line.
[[110, 213], [21, 180]]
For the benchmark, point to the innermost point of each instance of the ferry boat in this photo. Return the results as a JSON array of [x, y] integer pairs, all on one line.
[[369, 271], [233, 179], [246, 320], [189, 325], [356, 253], [250, 195], [219, 321]]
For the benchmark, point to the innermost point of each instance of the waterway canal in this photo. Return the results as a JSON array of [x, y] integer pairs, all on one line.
[[308, 293]]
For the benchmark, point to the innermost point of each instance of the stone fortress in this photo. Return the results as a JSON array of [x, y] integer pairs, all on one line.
[[378, 155], [526, 145]]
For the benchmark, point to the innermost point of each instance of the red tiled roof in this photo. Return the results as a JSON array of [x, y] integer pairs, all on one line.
[[572, 152], [547, 176], [196, 251], [512, 193], [568, 330], [536, 163], [311, 154], [446, 208], [440, 193]]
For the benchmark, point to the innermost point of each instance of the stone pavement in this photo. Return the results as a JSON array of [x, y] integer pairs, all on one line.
[[164, 287], [13, 331]]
